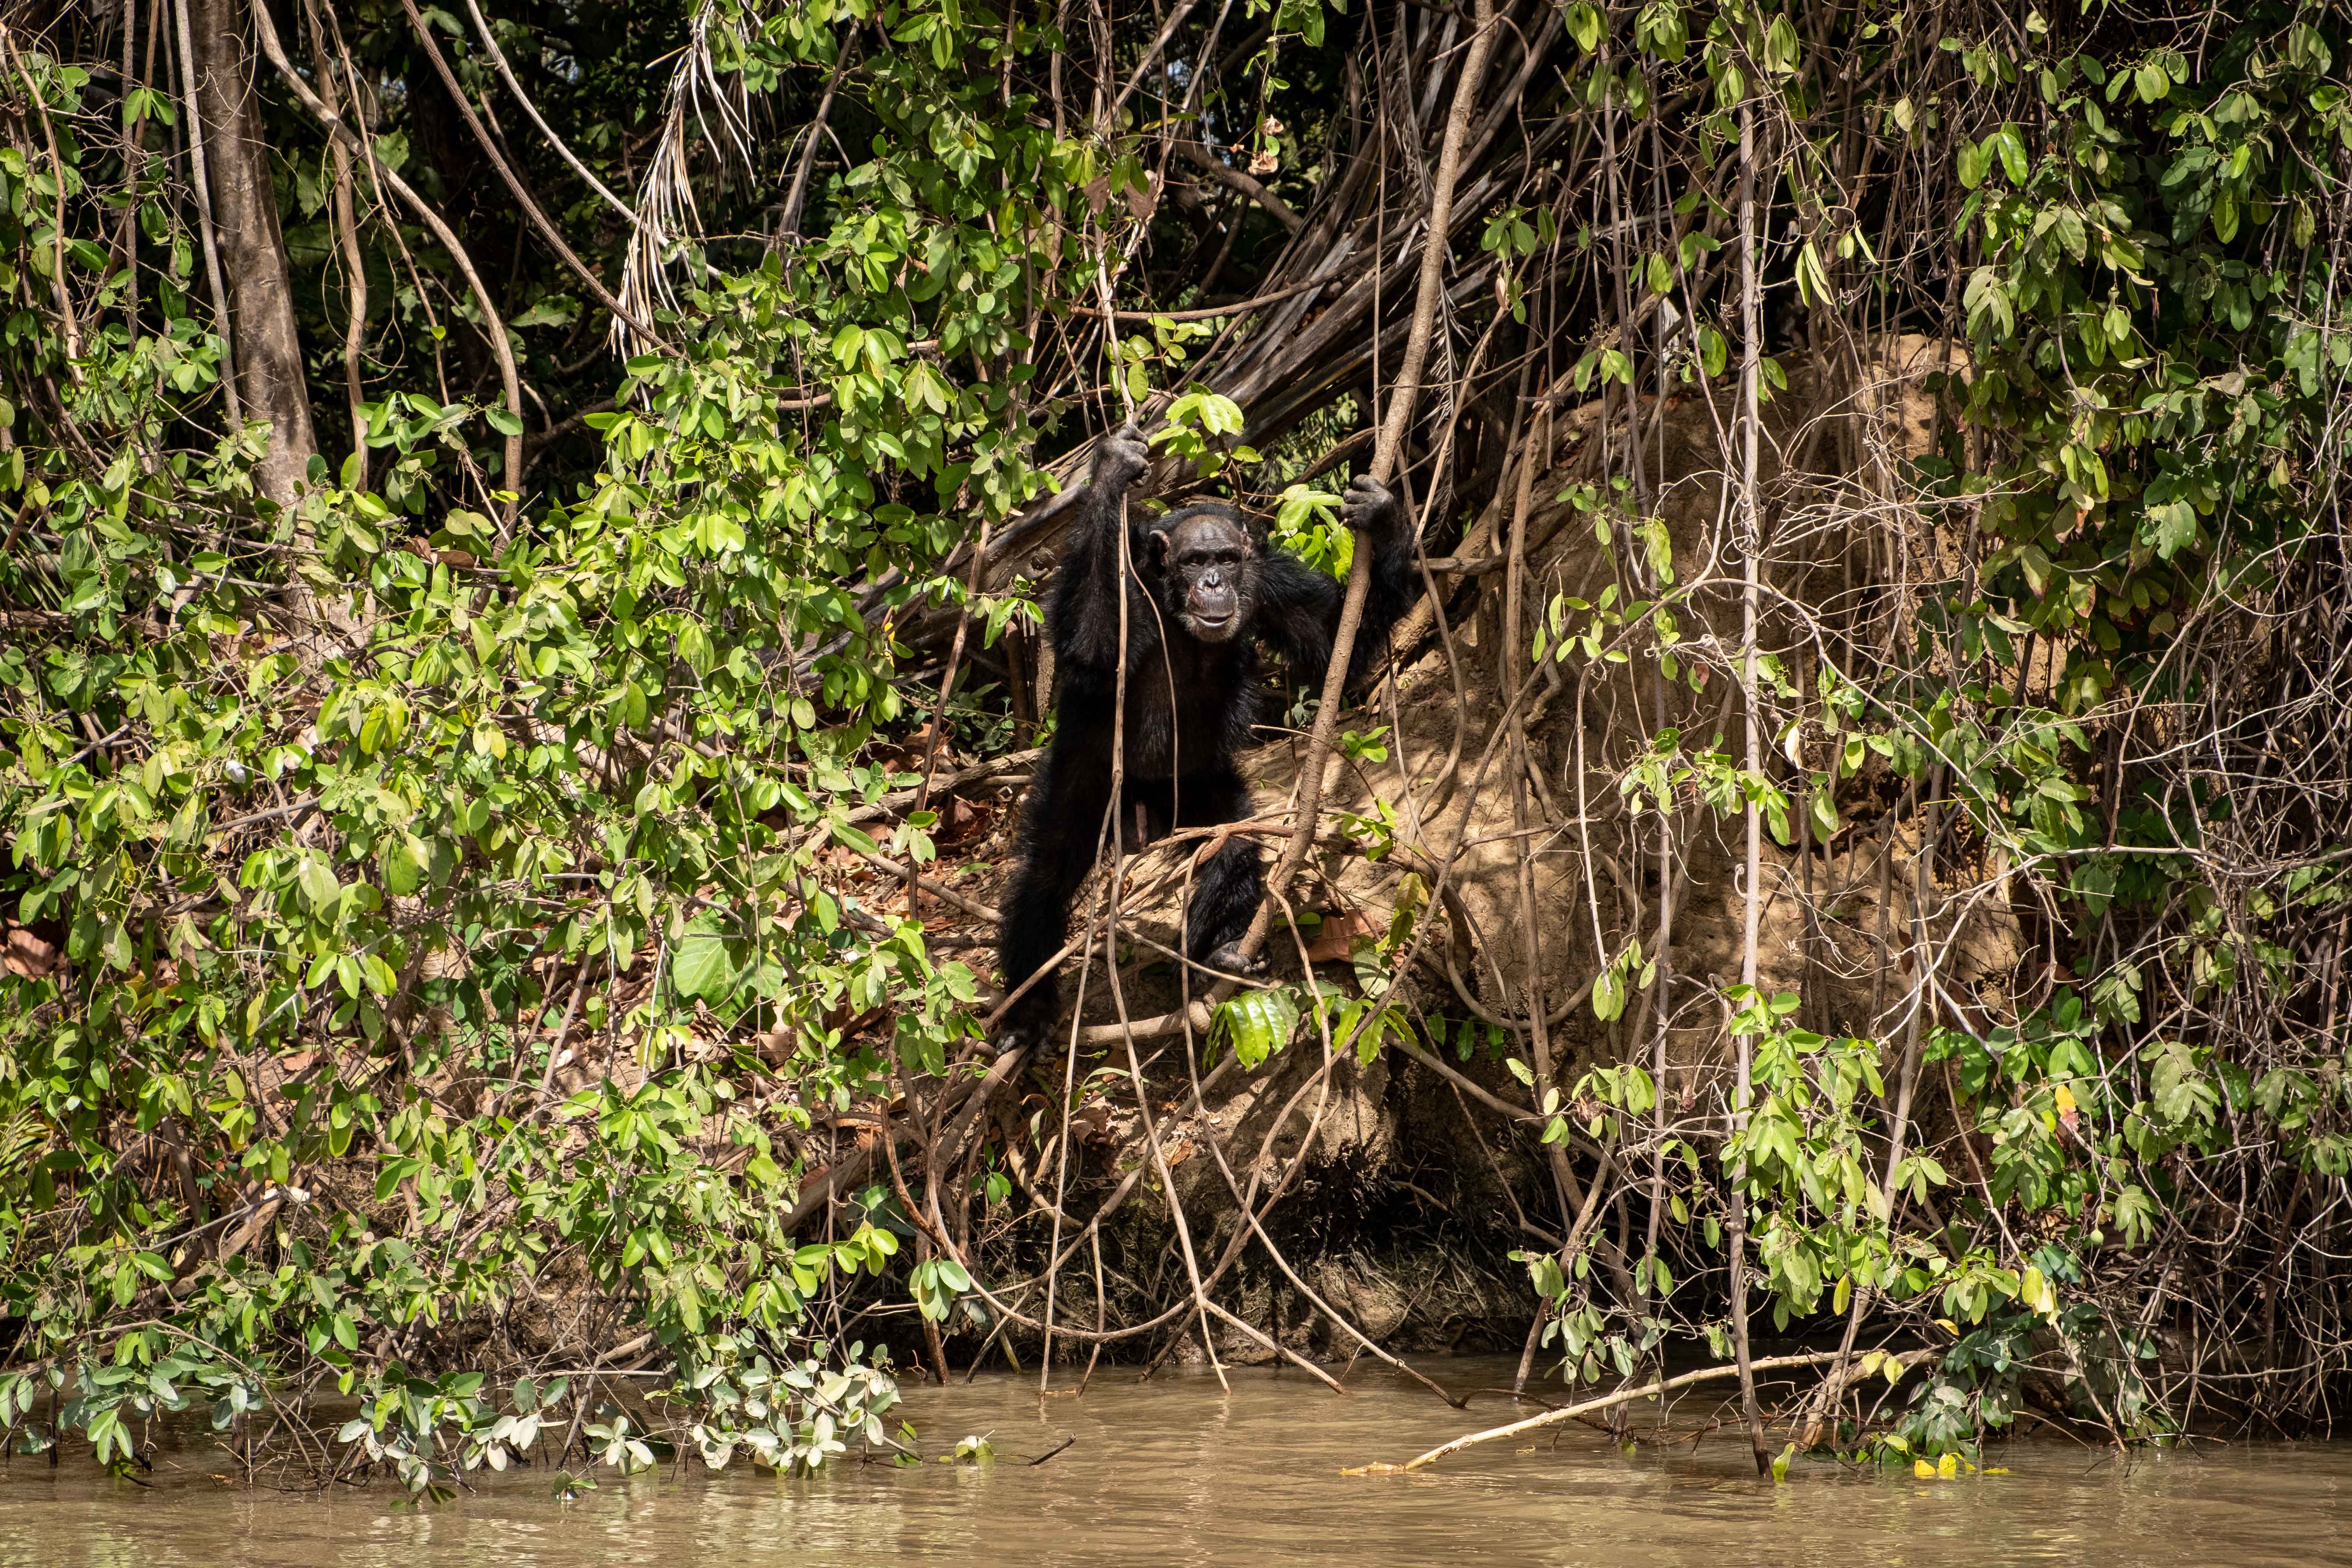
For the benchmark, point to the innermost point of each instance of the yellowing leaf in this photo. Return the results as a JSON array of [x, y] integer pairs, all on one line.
[[2033, 1289]]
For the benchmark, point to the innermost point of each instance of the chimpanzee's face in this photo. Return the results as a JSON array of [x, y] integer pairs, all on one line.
[[1211, 566]]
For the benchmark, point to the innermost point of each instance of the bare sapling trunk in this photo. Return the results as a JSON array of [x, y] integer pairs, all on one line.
[[269, 372], [1394, 427]]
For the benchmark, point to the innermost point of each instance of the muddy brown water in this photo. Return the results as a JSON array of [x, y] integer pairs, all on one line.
[[1175, 1471]]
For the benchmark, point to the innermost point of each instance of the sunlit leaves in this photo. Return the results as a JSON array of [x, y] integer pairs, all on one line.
[[1585, 25], [1813, 280], [1990, 313], [1257, 1024], [935, 1284], [1661, 28], [707, 961]]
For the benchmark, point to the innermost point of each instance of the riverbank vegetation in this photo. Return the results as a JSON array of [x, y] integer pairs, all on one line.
[[520, 533]]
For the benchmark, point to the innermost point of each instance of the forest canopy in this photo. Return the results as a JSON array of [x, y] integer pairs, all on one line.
[[522, 532]]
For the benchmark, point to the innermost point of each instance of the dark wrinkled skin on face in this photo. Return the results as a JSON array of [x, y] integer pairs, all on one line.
[[1212, 570], [1204, 590]]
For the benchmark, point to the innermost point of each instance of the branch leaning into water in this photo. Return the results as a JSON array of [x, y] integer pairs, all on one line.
[[1586, 1408]]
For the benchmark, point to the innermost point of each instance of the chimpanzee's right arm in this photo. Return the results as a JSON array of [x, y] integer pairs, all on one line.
[[1063, 817], [1086, 592]]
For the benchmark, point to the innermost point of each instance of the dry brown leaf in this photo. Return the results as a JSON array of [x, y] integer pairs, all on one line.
[[1336, 940], [27, 954]]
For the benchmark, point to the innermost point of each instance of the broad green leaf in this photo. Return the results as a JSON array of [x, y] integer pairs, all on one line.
[[1257, 1024]]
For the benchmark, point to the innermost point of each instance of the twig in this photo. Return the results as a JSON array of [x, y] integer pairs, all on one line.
[[506, 74], [1736, 1198]]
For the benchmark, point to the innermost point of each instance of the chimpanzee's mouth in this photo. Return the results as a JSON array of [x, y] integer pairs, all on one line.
[[1211, 623]]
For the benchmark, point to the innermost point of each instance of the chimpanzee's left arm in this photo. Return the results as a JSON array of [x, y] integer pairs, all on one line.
[[1298, 607]]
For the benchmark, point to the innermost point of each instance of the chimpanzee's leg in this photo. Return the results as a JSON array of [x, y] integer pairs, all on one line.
[[1060, 824], [1226, 891]]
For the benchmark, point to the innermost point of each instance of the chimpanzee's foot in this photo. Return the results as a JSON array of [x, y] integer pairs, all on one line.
[[1230, 959], [1023, 1036]]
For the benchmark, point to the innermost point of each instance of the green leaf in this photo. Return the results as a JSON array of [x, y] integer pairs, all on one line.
[[317, 880], [1713, 351], [2011, 147], [2036, 567], [1257, 1024], [1812, 278], [1825, 814], [1584, 25], [703, 966], [1608, 994]]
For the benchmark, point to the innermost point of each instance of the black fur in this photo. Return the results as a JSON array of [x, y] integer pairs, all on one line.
[[1193, 698]]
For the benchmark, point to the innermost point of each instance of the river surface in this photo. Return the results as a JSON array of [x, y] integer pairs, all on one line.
[[1175, 1471]]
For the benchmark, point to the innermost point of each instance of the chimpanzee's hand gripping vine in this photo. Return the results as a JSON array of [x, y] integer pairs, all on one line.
[[1209, 590]]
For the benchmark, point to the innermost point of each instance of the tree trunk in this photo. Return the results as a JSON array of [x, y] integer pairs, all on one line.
[[268, 355]]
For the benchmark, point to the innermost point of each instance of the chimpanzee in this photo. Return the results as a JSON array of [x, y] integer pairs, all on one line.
[[1209, 589]]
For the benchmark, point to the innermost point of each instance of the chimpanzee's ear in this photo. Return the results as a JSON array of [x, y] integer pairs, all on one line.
[[1155, 549]]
